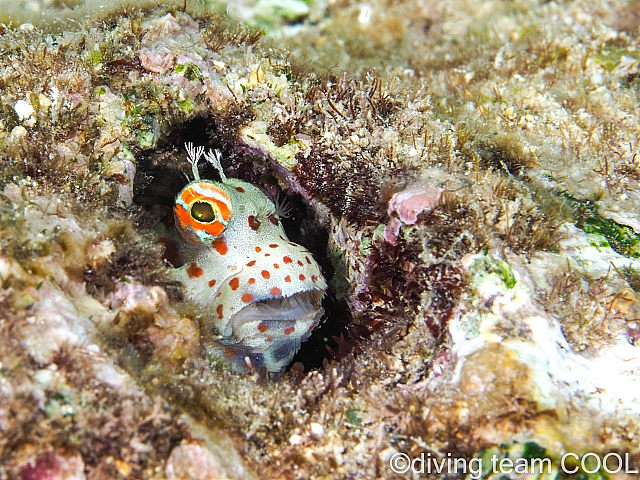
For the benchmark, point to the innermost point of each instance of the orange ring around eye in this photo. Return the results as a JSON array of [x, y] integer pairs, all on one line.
[[207, 192], [187, 223], [215, 228]]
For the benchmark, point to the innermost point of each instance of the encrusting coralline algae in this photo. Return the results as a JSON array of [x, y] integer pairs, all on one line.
[[468, 189]]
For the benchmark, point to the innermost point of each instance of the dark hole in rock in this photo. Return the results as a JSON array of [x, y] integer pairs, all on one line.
[[161, 175], [160, 172], [303, 228]]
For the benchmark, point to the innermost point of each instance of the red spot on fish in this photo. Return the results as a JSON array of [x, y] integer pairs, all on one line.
[[300, 263], [252, 281], [254, 223], [287, 260], [263, 327], [287, 279], [273, 219], [308, 260], [247, 297], [212, 283], [269, 339], [219, 311], [302, 277], [240, 189], [289, 330], [234, 283], [194, 271], [258, 249], [267, 254], [275, 265], [251, 263], [276, 291], [220, 246], [265, 274], [314, 278], [273, 245]]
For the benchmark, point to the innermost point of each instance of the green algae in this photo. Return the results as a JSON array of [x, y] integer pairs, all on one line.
[[185, 106], [543, 463], [533, 450], [552, 56], [127, 155], [611, 57], [619, 237], [270, 14], [487, 265], [94, 57], [353, 416], [146, 139], [605, 231], [191, 71]]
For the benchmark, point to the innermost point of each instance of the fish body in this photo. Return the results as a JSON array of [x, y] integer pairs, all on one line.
[[260, 293]]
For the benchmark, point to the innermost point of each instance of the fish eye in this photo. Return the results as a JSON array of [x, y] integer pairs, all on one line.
[[203, 212]]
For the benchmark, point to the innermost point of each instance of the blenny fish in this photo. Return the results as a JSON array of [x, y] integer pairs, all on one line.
[[260, 293]]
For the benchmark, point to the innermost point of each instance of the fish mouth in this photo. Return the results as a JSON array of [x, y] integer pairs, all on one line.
[[299, 307], [268, 333]]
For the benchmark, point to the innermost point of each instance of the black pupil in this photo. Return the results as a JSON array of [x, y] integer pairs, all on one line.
[[203, 212]]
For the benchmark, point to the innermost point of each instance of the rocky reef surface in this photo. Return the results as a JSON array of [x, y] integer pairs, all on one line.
[[466, 174]]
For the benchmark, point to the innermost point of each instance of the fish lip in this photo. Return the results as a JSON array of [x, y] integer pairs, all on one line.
[[282, 308]]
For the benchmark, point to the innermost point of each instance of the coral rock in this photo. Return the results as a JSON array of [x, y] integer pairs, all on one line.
[[191, 461], [55, 465]]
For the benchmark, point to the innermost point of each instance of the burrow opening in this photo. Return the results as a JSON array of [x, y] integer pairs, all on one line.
[[161, 174]]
